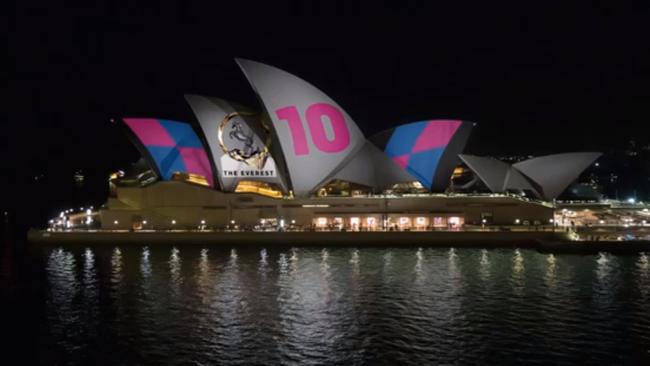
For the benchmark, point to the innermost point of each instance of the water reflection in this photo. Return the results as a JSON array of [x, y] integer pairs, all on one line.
[[204, 285], [89, 269], [354, 260], [643, 275], [518, 262], [204, 264], [518, 273], [293, 261], [117, 276], [233, 256], [294, 255], [550, 275], [643, 263], [388, 258], [63, 315], [145, 263], [419, 275], [309, 318], [453, 264], [89, 279], [345, 306], [606, 280], [603, 268], [175, 269], [484, 265], [263, 257], [263, 265], [230, 308], [324, 266], [283, 263]]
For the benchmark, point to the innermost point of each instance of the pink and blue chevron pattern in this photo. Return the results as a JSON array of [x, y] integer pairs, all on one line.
[[417, 147], [173, 146]]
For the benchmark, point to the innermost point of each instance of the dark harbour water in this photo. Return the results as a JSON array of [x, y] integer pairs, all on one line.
[[346, 306]]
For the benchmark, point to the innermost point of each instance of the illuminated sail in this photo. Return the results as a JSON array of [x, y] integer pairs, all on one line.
[[171, 147], [316, 135], [428, 150], [555, 172], [237, 144]]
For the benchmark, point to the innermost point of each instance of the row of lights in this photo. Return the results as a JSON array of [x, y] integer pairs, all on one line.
[[203, 222], [71, 210], [68, 223], [518, 221]]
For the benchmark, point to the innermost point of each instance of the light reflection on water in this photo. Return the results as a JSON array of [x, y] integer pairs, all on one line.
[[551, 270], [347, 306]]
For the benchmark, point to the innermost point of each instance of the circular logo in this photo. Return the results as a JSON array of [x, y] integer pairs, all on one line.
[[247, 150]]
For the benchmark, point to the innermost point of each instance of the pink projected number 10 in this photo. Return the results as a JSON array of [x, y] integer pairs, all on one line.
[[314, 116]]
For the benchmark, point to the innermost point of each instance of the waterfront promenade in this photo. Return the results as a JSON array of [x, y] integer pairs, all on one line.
[[298, 238], [543, 241]]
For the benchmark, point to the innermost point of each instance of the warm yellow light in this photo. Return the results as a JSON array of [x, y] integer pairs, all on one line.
[[261, 188], [191, 178]]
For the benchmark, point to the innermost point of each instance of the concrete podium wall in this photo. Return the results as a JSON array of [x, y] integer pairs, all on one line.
[[188, 204]]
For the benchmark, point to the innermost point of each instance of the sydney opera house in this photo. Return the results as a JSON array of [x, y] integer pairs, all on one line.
[[300, 162]]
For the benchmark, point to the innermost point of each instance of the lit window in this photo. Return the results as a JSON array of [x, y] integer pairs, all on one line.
[[403, 220], [322, 221], [370, 221], [420, 220]]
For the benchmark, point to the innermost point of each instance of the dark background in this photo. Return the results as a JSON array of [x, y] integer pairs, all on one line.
[[537, 78]]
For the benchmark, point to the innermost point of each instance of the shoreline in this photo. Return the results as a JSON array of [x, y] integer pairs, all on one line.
[[545, 242]]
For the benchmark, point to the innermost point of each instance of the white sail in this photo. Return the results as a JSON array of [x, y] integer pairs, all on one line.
[[315, 133]]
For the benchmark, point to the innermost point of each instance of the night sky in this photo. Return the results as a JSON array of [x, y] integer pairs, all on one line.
[[536, 78]]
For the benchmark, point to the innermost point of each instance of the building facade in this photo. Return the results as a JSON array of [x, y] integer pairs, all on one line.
[[299, 161]]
